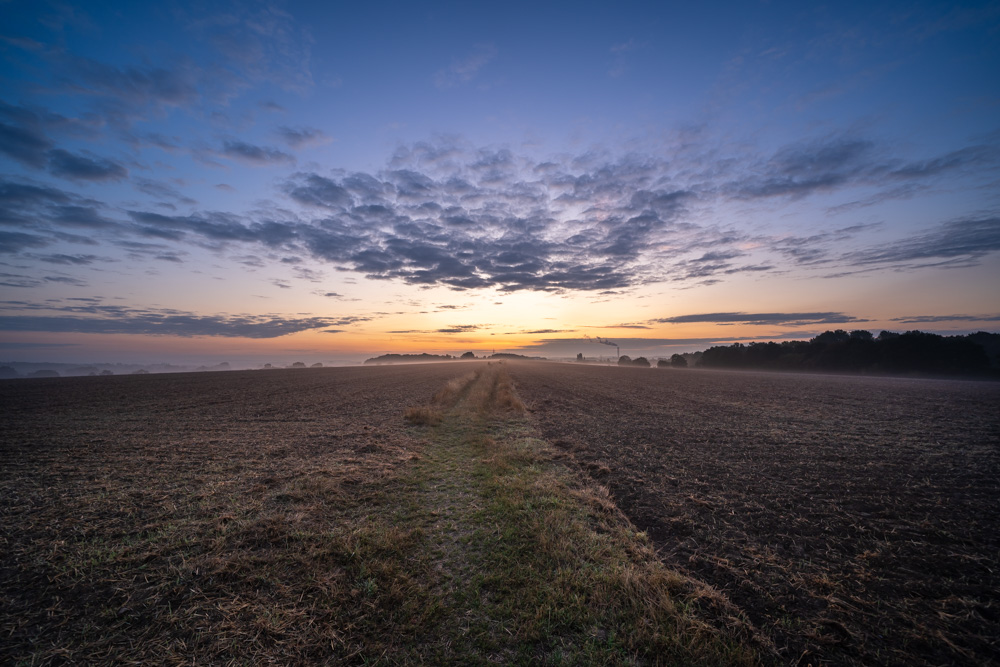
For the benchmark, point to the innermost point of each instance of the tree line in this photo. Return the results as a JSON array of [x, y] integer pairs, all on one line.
[[912, 352]]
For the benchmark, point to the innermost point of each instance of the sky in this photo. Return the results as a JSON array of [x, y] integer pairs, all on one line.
[[324, 181]]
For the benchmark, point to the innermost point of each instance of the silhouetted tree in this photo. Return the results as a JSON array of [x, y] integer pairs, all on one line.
[[624, 360], [860, 352], [677, 361], [468, 355], [662, 363], [828, 337], [641, 361], [579, 356]]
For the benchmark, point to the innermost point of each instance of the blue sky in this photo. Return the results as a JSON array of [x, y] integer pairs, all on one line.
[[266, 181]]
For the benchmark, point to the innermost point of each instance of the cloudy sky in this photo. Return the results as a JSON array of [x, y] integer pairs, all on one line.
[[322, 182]]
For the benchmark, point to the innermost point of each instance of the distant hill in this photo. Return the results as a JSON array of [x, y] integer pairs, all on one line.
[[417, 358], [408, 358], [511, 355]]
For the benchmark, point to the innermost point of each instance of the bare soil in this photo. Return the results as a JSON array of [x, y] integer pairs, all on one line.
[[229, 516], [269, 516], [855, 520]]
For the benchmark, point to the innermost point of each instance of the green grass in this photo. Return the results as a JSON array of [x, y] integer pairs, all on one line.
[[548, 570]]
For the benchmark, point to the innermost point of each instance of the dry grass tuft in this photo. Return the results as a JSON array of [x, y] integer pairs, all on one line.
[[423, 415], [493, 392], [449, 394], [486, 392]]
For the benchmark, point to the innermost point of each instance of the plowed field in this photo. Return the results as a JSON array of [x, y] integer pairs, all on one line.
[[180, 518], [854, 520], [295, 517]]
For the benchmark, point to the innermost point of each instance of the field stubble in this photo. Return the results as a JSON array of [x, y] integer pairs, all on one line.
[[855, 520], [293, 517], [242, 516]]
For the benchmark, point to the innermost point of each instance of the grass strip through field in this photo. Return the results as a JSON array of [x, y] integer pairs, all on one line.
[[544, 566], [481, 547]]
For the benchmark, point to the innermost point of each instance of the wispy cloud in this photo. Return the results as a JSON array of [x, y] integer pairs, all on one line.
[[80, 167], [257, 156], [933, 319], [466, 68], [94, 316], [303, 137], [784, 319], [957, 242]]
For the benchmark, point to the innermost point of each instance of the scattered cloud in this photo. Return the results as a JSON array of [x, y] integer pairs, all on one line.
[[78, 167], [931, 319], [444, 213], [71, 259], [17, 242], [303, 137], [137, 87], [830, 163], [465, 69], [18, 280], [100, 318], [312, 276], [161, 191], [782, 319], [460, 328], [22, 135], [65, 280], [618, 326], [957, 242], [256, 156]]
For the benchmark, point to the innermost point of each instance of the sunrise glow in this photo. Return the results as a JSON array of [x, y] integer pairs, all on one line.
[[306, 181]]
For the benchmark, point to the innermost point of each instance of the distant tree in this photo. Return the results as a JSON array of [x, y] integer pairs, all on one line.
[[827, 337], [468, 355], [579, 356], [677, 361], [624, 360], [861, 334], [318, 364], [662, 363], [298, 364], [990, 342], [641, 361], [44, 374], [7, 372], [407, 358]]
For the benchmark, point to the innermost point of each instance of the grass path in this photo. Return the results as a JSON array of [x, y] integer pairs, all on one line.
[[530, 563]]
